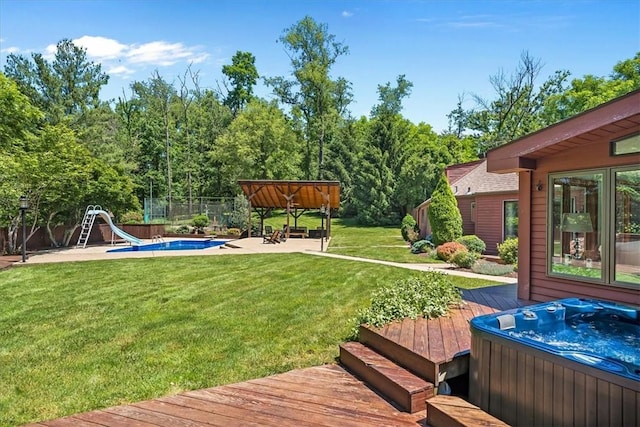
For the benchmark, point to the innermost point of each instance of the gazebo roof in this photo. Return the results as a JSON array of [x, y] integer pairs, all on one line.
[[300, 194]]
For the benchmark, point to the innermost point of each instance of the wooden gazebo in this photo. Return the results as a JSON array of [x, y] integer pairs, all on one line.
[[278, 194]]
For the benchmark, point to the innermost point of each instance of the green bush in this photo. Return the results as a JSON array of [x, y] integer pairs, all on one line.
[[183, 229], [409, 229], [464, 259], [491, 268], [508, 250], [429, 295], [200, 221], [131, 217], [444, 215], [473, 243], [446, 250], [421, 246]]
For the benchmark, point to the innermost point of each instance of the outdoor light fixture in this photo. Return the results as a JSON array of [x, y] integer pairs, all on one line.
[[577, 223], [24, 205], [539, 186]]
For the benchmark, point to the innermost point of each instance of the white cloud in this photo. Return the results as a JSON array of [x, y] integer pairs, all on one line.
[[347, 14], [10, 49], [164, 54], [120, 70], [124, 59], [101, 47]]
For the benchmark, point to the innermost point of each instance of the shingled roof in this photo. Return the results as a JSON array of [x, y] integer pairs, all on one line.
[[478, 181]]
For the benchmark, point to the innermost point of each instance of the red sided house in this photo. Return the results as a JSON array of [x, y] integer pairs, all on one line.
[[488, 203], [579, 204]]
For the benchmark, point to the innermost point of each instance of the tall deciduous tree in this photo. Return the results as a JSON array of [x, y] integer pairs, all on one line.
[[518, 105], [259, 144], [243, 76], [590, 91], [317, 99]]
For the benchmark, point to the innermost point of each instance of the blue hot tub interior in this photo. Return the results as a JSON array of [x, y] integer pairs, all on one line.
[[601, 334]]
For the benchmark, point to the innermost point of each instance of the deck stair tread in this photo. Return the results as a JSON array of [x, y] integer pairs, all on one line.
[[452, 411], [405, 389]]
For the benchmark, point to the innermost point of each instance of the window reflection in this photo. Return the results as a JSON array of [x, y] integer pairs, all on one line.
[[627, 227]]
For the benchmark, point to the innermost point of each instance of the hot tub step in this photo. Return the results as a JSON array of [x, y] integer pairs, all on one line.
[[408, 391], [451, 411]]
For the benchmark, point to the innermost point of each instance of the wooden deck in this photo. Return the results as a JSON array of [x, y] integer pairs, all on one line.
[[437, 349], [320, 396]]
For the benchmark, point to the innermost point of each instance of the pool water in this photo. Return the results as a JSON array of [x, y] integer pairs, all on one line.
[[175, 245]]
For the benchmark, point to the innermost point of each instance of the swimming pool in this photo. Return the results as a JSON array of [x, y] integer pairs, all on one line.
[[566, 362], [175, 245]]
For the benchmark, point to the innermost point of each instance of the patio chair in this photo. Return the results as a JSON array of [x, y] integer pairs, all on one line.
[[268, 230], [273, 238]]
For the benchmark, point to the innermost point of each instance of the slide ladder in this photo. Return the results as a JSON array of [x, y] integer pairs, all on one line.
[[87, 224]]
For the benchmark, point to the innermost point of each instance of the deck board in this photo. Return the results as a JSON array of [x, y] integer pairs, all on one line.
[[320, 396]]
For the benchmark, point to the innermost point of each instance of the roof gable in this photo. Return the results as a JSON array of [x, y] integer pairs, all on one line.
[[479, 181]]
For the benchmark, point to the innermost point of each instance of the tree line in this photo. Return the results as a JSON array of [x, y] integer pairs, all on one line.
[[65, 148]]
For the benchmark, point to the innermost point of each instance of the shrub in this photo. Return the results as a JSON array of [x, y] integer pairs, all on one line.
[[429, 295], [421, 246], [233, 231], [444, 215], [464, 259], [200, 221], [183, 229], [508, 250], [131, 217], [491, 268], [473, 243], [409, 229], [446, 250]]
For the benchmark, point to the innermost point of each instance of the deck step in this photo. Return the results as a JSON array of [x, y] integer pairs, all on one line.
[[408, 391], [451, 411]]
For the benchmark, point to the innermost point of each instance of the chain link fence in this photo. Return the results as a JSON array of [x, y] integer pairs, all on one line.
[[222, 212]]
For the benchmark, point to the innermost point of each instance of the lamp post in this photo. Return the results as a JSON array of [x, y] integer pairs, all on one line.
[[322, 212], [24, 205]]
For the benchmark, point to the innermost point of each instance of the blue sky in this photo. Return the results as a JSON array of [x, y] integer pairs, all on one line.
[[446, 48]]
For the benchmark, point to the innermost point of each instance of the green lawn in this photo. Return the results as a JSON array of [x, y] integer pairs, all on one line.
[[85, 335]]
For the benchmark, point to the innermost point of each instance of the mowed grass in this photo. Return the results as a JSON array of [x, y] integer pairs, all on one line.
[[86, 335]]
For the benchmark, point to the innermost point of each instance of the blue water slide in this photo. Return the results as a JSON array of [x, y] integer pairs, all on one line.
[[118, 232]]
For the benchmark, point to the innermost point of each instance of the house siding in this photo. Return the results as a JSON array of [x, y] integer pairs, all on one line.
[[542, 287], [464, 206], [490, 219]]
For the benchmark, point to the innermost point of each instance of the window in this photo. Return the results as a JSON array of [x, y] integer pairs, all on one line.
[[626, 252], [510, 215], [626, 145], [583, 240], [473, 212]]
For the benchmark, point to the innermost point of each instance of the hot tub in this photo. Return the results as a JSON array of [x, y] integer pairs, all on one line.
[[566, 362]]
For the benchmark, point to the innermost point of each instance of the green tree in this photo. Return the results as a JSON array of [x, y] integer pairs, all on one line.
[[444, 215], [19, 121], [590, 91], [516, 111], [372, 188], [259, 144], [65, 88], [314, 97], [243, 76]]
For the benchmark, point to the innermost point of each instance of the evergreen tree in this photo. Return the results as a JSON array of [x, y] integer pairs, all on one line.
[[444, 215]]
